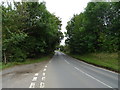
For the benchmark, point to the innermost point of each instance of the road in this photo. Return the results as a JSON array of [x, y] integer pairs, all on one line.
[[63, 71]]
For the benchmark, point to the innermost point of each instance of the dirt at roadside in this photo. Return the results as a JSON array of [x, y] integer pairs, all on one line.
[[25, 69]]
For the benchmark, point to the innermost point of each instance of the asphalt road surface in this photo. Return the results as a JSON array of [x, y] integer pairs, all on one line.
[[63, 71]]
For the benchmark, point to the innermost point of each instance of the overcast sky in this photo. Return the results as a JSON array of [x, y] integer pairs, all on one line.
[[65, 9]]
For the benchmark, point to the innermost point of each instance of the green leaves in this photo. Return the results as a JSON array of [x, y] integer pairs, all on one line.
[[94, 30], [29, 30]]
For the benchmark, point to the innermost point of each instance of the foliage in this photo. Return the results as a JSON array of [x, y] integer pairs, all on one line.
[[104, 60], [29, 30], [96, 29], [28, 61]]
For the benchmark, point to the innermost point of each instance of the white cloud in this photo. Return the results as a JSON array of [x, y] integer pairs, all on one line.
[[65, 9]]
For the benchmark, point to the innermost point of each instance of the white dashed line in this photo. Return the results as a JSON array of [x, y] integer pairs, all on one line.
[[95, 66], [32, 85], [76, 68], [43, 78], [92, 65], [42, 85], [36, 74], [44, 70], [34, 79], [67, 62], [98, 80], [92, 77], [46, 66], [43, 74]]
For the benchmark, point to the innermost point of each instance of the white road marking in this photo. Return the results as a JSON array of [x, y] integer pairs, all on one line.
[[95, 66], [102, 69], [76, 68], [93, 77], [43, 78], [46, 66], [98, 80], [36, 74], [44, 70], [67, 62], [32, 85], [92, 65], [42, 85], [34, 79], [43, 74]]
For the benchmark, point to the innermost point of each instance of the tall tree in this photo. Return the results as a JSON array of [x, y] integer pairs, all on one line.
[[94, 30], [29, 30]]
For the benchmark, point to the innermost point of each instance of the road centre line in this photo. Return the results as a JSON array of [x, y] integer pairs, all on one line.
[[67, 62], [96, 66], [90, 75], [91, 65], [76, 68], [93, 77]]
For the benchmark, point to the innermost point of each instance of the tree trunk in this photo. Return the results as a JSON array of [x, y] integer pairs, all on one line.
[[5, 60]]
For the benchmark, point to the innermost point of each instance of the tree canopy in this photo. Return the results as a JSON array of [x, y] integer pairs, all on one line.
[[97, 29], [29, 30]]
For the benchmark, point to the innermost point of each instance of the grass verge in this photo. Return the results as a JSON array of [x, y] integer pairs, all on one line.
[[28, 61], [104, 60]]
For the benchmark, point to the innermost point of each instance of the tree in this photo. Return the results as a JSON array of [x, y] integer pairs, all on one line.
[[94, 30], [29, 30]]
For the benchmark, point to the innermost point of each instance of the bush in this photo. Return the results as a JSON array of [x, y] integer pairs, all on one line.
[[18, 55]]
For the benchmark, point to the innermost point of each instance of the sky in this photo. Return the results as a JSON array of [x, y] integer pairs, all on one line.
[[65, 9]]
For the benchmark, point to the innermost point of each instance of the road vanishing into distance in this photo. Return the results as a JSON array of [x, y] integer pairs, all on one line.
[[62, 71]]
